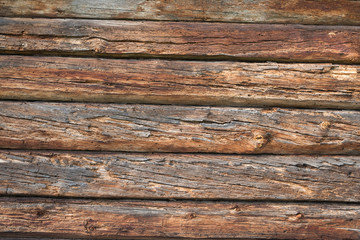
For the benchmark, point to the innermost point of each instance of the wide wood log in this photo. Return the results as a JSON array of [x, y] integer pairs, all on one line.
[[191, 40], [180, 82], [184, 219], [180, 176], [36, 238], [164, 128], [342, 12]]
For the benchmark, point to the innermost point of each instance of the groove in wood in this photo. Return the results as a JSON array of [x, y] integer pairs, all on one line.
[[180, 82], [341, 12], [165, 128], [192, 40]]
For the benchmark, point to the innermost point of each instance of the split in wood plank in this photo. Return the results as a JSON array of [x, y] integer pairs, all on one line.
[[189, 40], [340, 12], [180, 82], [180, 176], [166, 128], [183, 219]]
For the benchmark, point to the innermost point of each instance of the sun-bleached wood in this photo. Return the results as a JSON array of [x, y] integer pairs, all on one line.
[[180, 82], [181, 219], [341, 12], [180, 176], [190, 40], [165, 128]]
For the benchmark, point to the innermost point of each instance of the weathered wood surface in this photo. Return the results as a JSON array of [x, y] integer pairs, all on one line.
[[194, 40], [33, 237], [154, 219], [164, 128], [342, 12], [36, 238], [180, 82], [180, 176]]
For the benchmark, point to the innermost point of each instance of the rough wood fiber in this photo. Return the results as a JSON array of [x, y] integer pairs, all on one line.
[[180, 82], [342, 12], [154, 219], [36, 238], [180, 176], [181, 40], [76, 126]]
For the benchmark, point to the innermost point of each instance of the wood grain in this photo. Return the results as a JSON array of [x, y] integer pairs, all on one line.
[[165, 128], [180, 82], [341, 12], [190, 40], [155, 219], [180, 176]]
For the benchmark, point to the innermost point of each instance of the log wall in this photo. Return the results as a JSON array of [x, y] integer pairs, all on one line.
[[179, 119]]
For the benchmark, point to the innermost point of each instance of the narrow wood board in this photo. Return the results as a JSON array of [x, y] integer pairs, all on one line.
[[190, 40], [180, 176], [180, 82], [341, 12], [166, 128], [66, 218]]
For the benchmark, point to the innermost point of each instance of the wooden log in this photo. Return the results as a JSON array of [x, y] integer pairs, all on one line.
[[66, 218], [180, 176], [165, 128], [342, 12], [180, 82], [190, 40], [35, 238]]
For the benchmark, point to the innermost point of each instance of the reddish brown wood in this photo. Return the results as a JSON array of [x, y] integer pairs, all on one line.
[[342, 12], [193, 40], [164, 128], [181, 219], [180, 176], [180, 82], [191, 130]]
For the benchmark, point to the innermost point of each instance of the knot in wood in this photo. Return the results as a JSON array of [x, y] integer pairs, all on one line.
[[296, 217], [191, 216], [40, 212], [236, 208], [261, 140], [89, 225], [325, 125]]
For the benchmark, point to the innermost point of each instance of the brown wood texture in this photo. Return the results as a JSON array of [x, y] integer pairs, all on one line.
[[180, 176], [342, 12], [154, 219], [165, 128], [37, 238], [257, 42], [180, 82], [174, 171]]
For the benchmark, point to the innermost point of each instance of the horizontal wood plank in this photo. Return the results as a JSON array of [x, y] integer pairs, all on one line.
[[191, 40], [165, 128], [180, 82], [35, 238], [342, 12], [180, 176], [153, 219]]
